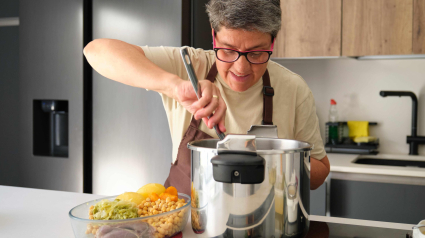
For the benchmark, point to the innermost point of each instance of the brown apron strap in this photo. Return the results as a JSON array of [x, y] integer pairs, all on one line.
[[268, 93], [179, 176], [195, 123], [212, 73]]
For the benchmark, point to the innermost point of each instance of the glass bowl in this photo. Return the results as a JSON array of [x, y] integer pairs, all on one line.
[[162, 225]]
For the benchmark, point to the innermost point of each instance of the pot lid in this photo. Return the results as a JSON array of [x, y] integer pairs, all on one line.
[[261, 139], [263, 145]]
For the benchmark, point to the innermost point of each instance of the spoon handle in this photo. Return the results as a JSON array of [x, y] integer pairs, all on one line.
[[194, 80]]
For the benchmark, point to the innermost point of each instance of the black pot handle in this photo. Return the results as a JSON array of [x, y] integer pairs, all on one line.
[[238, 167]]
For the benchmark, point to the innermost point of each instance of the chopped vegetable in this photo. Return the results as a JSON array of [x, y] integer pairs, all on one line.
[[168, 197], [153, 197], [171, 190], [117, 209]]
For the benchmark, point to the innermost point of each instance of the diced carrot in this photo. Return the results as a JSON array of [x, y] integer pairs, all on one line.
[[174, 198], [171, 190], [164, 196], [153, 197]]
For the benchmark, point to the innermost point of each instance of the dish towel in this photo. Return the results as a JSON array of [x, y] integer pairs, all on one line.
[[358, 129]]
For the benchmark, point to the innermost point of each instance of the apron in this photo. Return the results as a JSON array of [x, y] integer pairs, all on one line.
[[180, 171]]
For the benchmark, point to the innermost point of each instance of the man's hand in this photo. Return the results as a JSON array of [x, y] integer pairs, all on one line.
[[318, 172], [210, 104]]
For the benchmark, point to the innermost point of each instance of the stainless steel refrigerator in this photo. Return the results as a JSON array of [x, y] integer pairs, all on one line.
[[75, 125], [131, 138]]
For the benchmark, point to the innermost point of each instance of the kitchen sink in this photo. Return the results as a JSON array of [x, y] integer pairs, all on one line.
[[389, 162]]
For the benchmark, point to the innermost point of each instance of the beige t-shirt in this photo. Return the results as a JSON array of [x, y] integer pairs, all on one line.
[[294, 110]]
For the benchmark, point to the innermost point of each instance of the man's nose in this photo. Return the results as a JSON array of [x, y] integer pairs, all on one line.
[[242, 65]]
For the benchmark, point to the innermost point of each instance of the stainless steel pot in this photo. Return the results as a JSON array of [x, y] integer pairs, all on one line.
[[250, 185]]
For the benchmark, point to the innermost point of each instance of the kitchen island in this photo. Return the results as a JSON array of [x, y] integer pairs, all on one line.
[[38, 213]]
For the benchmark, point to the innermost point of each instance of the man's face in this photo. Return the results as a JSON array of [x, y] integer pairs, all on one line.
[[241, 74]]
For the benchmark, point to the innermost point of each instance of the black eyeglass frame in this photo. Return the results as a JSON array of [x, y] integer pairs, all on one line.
[[242, 53]]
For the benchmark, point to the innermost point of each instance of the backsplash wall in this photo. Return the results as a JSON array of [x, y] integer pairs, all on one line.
[[355, 85]]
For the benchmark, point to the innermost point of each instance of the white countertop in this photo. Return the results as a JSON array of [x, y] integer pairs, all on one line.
[[38, 213], [343, 163]]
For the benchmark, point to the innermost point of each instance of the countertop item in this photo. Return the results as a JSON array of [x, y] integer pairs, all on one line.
[[82, 225], [38, 213], [351, 141]]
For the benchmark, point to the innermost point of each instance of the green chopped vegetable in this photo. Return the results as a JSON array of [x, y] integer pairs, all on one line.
[[117, 209]]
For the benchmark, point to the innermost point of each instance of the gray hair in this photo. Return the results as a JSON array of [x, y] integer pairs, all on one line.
[[250, 15]]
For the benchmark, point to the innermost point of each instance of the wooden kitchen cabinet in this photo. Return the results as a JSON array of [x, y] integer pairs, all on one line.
[[309, 28], [418, 26], [378, 27]]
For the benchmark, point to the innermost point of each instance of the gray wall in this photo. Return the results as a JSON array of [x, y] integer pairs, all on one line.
[[131, 138], [355, 85], [9, 8], [9, 96], [51, 67]]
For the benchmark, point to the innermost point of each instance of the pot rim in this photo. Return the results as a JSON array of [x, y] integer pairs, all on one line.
[[308, 147]]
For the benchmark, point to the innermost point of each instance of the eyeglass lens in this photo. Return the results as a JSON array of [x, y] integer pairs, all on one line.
[[256, 57]]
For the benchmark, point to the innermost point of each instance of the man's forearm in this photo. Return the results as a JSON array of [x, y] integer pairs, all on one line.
[[318, 172], [127, 63]]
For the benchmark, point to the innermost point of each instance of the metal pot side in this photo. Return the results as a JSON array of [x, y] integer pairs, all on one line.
[[277, 207]]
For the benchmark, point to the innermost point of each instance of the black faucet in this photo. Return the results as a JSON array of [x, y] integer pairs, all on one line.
[[414, 140]]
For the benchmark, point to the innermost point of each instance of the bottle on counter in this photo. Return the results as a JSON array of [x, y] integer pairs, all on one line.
[[333, 127]]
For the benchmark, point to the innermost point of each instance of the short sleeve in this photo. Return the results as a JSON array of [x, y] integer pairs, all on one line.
[[307, 126], [170, 60]]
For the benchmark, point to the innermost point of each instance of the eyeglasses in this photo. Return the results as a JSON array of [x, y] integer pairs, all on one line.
[[231, 55]]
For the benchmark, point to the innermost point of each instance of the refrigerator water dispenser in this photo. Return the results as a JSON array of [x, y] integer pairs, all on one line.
[[50, 128]]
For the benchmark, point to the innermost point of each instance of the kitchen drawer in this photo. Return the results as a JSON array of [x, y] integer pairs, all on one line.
[[378, 201]]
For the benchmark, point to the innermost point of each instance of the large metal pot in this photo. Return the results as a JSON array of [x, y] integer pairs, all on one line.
[[250, 185]]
